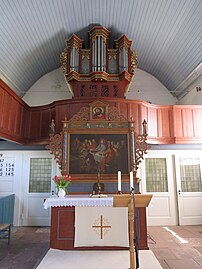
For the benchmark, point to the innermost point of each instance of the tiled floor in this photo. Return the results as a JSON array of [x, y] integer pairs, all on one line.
[[176, 247], [27, 248]]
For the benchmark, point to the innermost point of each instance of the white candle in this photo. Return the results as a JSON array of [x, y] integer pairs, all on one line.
[[119, 180], [131, 180]]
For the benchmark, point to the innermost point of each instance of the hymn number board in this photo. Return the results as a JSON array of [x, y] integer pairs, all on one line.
[[7, 166]]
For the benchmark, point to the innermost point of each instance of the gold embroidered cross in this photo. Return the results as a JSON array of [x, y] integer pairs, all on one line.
[[102, 226]]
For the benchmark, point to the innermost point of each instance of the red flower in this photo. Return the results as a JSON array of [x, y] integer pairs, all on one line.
[[62, 181]]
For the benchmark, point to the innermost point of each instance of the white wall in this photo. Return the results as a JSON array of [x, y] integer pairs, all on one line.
[[193, 97], [12, 183], [14, 178], [49, 88], [18, 183], [52, 87], [146, 87]]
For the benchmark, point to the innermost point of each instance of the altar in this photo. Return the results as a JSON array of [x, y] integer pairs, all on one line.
[[62, 234]]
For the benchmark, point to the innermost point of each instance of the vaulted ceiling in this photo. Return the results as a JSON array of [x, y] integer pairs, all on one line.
[[167, 36]]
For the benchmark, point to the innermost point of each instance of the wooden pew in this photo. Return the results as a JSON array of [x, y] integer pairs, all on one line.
[[6, 216]]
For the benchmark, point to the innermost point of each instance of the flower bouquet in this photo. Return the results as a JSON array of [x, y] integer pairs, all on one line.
[[62, 182]]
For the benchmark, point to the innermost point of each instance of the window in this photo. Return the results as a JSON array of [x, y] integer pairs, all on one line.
[[190, 175], [156, 175], [40, 175]]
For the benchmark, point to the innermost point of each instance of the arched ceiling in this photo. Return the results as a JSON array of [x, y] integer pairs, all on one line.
[[167, 36]]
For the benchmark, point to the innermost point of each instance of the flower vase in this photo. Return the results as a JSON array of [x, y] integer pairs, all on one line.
[[61, 193]]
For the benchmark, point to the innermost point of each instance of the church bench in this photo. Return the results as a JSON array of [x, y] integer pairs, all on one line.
[[6, 216]]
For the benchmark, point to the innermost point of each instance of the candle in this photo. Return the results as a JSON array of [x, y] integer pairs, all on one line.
[[119, 180], [131, 180]]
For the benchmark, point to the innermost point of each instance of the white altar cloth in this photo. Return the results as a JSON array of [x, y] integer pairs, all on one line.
[[101, 226], [77, 200]]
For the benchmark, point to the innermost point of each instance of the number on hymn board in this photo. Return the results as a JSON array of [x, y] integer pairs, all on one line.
[[7, 166]]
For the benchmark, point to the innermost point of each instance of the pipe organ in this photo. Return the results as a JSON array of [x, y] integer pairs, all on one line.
[[98, 54], [98, 71]]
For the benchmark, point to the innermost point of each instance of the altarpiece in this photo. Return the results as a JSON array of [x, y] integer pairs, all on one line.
[[97, 141]]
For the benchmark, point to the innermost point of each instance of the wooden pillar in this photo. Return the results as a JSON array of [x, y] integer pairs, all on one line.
[[131, 227]]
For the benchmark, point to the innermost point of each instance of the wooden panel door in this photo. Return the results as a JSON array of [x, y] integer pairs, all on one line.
[[158, 180], [39, 168], [189, 188]]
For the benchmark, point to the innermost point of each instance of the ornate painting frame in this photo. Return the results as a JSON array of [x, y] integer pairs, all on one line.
[[83, 163], [103, 152], [98, 111]]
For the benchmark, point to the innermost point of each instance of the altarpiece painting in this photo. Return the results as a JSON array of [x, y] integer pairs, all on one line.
[[93, 153]]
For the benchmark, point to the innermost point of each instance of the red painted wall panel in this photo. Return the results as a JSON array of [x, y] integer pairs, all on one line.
[[134, 112], [178, 132], [166, 124], [45, 122], [18, 120], [12, 117], [187, 124], [11, 114], [7, 100], [35, 129], [197, 117], [1, 105], [26, 123], [152, 122]]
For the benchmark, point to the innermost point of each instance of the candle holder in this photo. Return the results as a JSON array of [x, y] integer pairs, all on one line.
[[132, 191], [98, 188], [119, 192]]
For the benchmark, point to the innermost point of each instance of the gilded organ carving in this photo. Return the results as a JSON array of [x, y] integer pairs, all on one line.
[[98, 63]]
